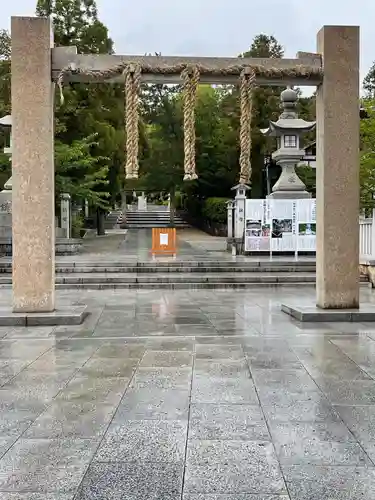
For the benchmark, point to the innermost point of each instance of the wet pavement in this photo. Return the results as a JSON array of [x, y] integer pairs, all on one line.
[[187, 395]]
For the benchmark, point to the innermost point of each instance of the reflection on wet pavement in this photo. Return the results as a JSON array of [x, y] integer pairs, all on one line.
[[192, 395]]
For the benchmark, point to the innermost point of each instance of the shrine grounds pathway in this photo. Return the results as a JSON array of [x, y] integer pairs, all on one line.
[[187, 394]]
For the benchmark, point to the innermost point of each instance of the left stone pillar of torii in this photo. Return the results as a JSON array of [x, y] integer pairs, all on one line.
[[33, 233]]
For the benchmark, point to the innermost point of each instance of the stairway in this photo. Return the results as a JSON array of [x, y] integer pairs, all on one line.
[[111, 219], [177, 275], [154, 218]]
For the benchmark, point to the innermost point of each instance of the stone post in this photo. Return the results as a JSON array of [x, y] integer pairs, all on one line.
[[337, 172], [87, 209], [32, 166], [239, 214], [65, 214], [230, 207]]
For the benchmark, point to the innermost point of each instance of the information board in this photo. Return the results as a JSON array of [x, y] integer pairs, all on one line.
[[280, 225]]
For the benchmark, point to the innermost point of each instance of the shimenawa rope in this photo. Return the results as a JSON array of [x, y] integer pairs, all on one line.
[[190, 75]]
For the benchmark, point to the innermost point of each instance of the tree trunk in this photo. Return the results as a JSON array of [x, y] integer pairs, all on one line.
[[100, 229], [172, 207]]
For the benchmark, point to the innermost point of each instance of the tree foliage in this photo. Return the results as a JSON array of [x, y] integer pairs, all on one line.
[[80, 173], [367, 164], [369, 82], [87, 109]]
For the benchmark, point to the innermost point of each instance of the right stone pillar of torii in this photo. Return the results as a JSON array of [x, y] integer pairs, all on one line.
[[337, 172]]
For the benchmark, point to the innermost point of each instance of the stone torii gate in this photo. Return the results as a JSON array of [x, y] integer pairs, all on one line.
[[36, 65]]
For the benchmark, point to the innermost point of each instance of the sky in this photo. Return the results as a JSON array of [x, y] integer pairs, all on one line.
[[220, 27]]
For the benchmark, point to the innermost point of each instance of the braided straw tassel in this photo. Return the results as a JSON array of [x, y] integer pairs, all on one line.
[[247, 81], [132, 86], [190, 77]]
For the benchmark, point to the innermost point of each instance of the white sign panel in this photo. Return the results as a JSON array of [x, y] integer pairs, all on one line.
[[306, 216], [257, 229], [163, 239], [280, 225]]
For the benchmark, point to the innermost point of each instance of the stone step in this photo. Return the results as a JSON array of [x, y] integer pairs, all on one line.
[[187, 279], [144, 220], [173, 286], [179, 270], [151, 224], [179, 278], [172, 270]]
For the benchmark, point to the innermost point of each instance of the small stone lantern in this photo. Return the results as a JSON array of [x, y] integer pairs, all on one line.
[[6, 122], [288, 130]]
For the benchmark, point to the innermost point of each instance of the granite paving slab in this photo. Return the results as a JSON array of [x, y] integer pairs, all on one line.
[[96, 389], [109, 367], [154, 404], [144, 441], [71, 420], [37, 496], [316, 443], [232, 467], [325, 483], [311, 410], [353, 393], [233, 422], [221, 368], [45, 465], [360, 420], [239, 496], [166, 359], [162, 378], [212, 352], [223, 390], [133, 481]]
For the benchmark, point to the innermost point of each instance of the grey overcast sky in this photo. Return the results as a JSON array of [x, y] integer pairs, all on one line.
[[220, 27]]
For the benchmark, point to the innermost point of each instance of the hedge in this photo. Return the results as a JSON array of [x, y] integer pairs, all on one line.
[[214, 210]]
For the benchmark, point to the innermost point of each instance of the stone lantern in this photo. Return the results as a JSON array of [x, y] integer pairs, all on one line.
[[288, 130]]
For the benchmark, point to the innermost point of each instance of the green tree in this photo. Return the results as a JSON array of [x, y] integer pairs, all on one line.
[[79, 173], [162, 140], [367, 164], [369, 82], [265, 108], [88, 109], [76, 22]]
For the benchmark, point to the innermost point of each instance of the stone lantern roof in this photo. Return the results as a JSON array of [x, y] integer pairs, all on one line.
[[6, 121], [288, 120]]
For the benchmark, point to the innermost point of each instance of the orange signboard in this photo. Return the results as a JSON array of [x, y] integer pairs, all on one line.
[[164, 241]]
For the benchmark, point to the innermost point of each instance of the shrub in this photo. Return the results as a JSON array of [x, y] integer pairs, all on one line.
[[215, 210], [77, 225]]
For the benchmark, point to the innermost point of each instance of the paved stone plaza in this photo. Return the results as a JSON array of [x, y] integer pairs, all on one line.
[[193, 395]]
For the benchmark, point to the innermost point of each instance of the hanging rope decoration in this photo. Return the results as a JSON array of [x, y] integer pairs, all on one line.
[[190, 77], [247, 83], [132, 75]]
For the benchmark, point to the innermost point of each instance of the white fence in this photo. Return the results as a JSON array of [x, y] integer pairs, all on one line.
[[366, 238]]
